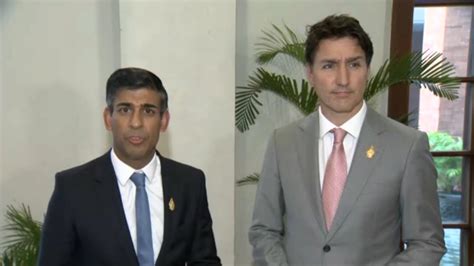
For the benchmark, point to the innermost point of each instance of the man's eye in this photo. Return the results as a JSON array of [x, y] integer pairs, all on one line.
[[327, 66], [124, 110], [149, 111], [354, 65]]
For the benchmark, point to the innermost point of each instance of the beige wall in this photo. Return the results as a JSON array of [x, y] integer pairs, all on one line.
[[252, 17], [55, 58]]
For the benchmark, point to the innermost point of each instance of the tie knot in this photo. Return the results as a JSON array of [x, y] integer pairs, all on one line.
[[339, 134], [138, 179]]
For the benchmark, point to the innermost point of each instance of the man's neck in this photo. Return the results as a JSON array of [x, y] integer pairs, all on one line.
[[339, 118]]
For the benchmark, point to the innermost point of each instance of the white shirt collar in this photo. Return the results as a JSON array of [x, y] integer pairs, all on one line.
[[123, 171], [351, 126]]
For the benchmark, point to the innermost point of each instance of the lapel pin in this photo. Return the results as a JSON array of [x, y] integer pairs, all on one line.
[[171, 204], [370, 152]]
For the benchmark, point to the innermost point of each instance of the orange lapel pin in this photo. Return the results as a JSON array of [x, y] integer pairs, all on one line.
[[171, 205], [370, 152]]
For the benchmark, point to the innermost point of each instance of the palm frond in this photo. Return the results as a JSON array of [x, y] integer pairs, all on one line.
[[23, 236], [423, 69], [301, 95], [246, 110], [249, 180], [279, 41], [6, 261]]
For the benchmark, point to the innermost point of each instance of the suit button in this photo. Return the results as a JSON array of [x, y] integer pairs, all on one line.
[[327, 248]]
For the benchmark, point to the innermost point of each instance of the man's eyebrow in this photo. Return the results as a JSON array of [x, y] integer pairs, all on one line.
[[352, 59], [149, 105], [332, 61], [124, 104], [146, 105]]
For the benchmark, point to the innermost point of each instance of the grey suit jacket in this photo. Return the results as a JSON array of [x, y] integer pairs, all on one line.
[[388, 198]]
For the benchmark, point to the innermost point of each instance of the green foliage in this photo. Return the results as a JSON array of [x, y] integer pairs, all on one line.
[[300, 95], [449, 168], [6, 261], [248, 180], [22, 240], [278, 42], [427, 70]]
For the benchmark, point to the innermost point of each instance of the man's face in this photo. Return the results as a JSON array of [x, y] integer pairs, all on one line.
[[136, 123], [339, 75]]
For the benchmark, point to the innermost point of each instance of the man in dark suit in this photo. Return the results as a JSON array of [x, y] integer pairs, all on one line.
[[131, 206], [344, 185]]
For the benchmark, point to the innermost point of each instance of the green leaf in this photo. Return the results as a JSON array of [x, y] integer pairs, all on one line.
[[279, 41], [449, 168], [425, 70], [249, 180], [246, 106], [22, 238]]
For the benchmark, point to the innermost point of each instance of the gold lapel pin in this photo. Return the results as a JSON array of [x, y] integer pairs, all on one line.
[[171, 204], [370, 152]]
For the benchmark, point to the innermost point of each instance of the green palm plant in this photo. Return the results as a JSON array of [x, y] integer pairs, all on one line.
[[22, 240], [422, 69]]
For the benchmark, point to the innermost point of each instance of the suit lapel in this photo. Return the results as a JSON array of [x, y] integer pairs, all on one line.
[[361, 168], [308, 156], [109, 199], [171, 205]]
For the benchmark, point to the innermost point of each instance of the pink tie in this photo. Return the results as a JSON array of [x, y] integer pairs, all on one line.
[[335, 177]]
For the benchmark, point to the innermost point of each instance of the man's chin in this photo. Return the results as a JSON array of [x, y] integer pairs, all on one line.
[[346, 108]]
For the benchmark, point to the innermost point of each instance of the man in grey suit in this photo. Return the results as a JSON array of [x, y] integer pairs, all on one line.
[[345, 185]]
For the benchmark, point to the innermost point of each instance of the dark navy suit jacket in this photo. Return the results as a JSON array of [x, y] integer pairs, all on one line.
[[85, 223]]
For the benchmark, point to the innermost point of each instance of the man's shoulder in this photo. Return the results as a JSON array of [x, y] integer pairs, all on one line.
[[393, 126], [310, 124], [87, 169], [302, 124], [179, 169]]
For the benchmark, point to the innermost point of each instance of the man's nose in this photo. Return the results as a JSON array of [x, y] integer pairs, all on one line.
[[342, 78], [136, 120]]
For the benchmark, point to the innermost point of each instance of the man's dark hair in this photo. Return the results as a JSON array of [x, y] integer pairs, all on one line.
[[132, 78], [335, 27]]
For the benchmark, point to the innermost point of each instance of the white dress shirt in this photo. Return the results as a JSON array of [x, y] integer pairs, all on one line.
[[154, 190], [326, 139]]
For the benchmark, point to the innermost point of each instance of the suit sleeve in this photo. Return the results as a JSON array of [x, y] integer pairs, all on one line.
[[57, 237], [422, 230], [203, 249], [267, 231]]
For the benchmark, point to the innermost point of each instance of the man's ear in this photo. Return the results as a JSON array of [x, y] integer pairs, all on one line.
[[107, 118], [165, 119]]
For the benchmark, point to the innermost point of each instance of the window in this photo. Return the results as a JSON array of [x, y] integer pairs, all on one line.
[[446, 27]]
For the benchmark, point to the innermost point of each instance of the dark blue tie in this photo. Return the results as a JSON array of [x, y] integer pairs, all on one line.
[[143, 222]]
